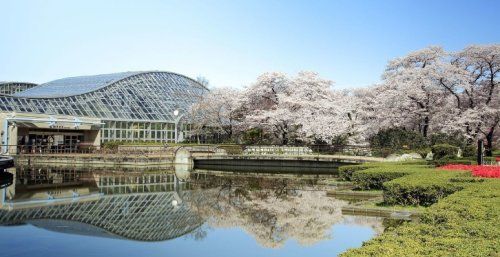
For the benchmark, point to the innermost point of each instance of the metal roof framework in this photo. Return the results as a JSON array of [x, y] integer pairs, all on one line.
[[130, 96]]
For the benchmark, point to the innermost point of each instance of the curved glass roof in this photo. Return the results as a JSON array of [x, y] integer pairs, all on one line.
[[131, 96], [74, 85], [13, 87]]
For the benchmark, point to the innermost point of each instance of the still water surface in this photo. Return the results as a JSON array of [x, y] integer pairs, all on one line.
[[51, 211]]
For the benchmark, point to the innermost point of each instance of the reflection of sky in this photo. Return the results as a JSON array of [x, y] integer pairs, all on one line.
[[31, 241]]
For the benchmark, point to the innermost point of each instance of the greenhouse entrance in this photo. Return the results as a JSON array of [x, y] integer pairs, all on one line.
[[58, 141], [42, 134]]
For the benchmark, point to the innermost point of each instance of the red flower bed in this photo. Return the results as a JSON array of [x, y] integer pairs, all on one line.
[[486, 171]]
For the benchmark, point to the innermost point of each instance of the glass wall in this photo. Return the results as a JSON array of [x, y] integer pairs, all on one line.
[[138, 131]]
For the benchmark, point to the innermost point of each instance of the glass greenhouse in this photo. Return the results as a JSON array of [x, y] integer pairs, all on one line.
[[132, 106]]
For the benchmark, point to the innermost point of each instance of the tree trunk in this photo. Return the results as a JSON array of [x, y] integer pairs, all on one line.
[[489, 143], [284, 139], [424, 128]]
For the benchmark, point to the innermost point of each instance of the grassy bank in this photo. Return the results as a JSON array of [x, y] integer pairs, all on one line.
[[461, 220]]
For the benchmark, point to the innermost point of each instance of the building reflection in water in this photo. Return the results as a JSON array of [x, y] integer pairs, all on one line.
[[156, 205], [122, 204]]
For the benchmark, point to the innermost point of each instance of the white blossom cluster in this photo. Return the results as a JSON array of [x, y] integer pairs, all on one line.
[[428, 91]]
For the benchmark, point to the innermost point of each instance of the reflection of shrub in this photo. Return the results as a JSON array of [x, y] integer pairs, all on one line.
[[444, 151]]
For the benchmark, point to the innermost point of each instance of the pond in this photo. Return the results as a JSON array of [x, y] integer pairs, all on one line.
[[85, 211]]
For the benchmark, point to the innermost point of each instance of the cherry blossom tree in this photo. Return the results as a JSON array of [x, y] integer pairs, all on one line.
[[304, 106], [320, 112], [428, 91], [264, 108], [412, 93], [217, 110], [478, 98], [435, 91]]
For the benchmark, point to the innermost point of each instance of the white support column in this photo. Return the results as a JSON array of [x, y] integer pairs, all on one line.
[[5, 138]]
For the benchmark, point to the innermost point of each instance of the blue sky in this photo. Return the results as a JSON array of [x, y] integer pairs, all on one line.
[[232, 42]]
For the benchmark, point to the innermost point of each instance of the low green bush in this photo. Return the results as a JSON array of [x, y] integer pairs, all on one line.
[[489, 160], [397, 139], [445, 161], [466, 179], [463, 224], [457, 140], [422, 187], [469, 151], [374, 178], [423, 152], [345, 172], [444, 151]]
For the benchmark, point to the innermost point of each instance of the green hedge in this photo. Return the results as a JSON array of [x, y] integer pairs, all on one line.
[[345, 172], [374, 178], [424, 187], [466, 161], [463, 224], [373, 175], [445, 161], [410, 183]]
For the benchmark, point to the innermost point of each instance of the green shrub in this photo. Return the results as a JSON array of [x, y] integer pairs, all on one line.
[[446, 160], [382, 152], [345, 172], [423, 152], [489, 160], [252, 136], [444, 151], [424, 187], [457, 140], [374, 178], [463, 224], [391, 140], [469, 151], [373, 175], [466, 180]]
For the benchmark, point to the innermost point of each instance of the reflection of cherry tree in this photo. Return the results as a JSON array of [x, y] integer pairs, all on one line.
[[273, 216], [375, 223]]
